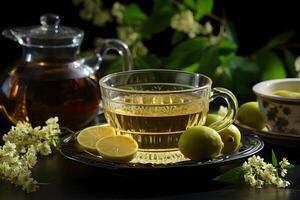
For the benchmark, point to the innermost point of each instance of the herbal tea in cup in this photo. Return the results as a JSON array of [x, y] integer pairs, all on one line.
[[156, 106]]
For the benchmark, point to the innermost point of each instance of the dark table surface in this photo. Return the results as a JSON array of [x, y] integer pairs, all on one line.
[[67, 179]]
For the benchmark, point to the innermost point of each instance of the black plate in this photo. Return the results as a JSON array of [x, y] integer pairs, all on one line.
[[71, 149], [280, 139]]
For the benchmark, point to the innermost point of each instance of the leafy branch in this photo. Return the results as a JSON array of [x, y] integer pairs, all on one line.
[[187, 35], [257, 173]]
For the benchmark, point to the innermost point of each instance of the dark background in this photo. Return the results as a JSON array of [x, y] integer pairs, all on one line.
[[256, 22]]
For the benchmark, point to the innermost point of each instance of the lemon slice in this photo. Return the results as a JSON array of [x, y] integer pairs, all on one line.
[[88, 137], [119, 148]]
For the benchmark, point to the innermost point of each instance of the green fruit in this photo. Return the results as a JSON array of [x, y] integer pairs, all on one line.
[[231, 138], [211, 118], [200, 143], [286, 93], [249, 114]]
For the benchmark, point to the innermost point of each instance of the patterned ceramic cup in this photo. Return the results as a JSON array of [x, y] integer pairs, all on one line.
[[281, 114]]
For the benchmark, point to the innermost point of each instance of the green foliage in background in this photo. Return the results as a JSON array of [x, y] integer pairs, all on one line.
[[197, 41]]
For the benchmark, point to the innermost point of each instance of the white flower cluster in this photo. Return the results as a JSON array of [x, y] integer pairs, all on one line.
[[259, 173], [94, 10], [126, 33], [19, 153], [133, 39], [118, 12], [185, 22], [297, 65]]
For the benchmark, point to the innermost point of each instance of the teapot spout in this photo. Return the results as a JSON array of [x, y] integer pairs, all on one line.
[[92, 61], [10, 34]]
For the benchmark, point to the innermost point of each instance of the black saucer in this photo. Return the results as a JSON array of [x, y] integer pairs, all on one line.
[[278, 139], [71, 150]]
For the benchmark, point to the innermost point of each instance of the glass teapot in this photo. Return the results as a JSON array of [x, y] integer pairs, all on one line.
[[51, 80]]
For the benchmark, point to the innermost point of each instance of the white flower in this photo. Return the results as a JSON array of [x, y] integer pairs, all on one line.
[[101, 17], [30, 185], [269, 168], [259, 183], [118, 12], [19, 153], [284, 163], [283, 172], [186, 23], [258, 173], [250, 179], [139, 49], [9, 147], [44, 149], [30, 158], [297, 64], [256, 161], [213, 40], [128, 35], [133, 39], [207, 28], [223, 111]]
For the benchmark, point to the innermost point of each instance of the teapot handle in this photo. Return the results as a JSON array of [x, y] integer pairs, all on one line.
[[120, 47]]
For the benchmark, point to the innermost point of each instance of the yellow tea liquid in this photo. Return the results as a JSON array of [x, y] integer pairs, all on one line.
[[156, 121]]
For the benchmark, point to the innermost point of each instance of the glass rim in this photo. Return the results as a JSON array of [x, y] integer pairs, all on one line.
[[106, 86]]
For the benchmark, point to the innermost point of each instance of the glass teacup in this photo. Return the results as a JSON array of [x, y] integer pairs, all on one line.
[[156, 106]]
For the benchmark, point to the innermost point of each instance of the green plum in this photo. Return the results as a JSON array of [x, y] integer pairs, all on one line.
[[231, 138], [200, 143], [211, 118], [250, 115]]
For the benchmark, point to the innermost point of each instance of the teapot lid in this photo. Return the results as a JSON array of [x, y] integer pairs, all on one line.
[[49, 34]]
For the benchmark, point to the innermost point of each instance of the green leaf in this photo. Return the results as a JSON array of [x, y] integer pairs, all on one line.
[[227, 47], [234, 176], [280, 39], [244, 75], [209, 61], [177, 37], [203, 7], [112, 64], [224, 79], [186, 53], [189, 4], [159, 19], [230, 31], [243, 64], [238, 74], [271, 66], [274, 159], [192, 68], [133, 14], [290, 166], [146, 62]]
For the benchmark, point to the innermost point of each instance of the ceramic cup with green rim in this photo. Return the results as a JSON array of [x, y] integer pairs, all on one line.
[[280, 110], [156, 106]]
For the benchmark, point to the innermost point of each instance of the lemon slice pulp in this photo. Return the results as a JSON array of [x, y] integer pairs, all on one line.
[[88, 137], [119, 148]]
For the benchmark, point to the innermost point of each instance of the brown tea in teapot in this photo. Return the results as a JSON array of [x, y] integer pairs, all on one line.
[[35, 91]]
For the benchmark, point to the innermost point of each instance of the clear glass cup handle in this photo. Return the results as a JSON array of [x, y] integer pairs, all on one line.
[[120, 47], [232, 106]]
